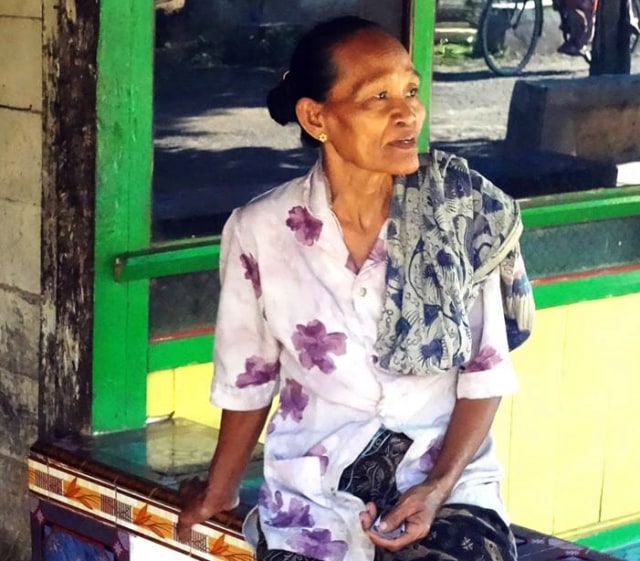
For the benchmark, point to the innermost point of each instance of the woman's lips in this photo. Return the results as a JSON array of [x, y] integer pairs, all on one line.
[[404, 143]]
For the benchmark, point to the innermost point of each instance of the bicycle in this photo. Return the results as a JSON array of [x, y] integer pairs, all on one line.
[[509, 31]]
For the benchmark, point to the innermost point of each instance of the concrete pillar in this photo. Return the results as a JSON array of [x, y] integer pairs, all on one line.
[[20, 225]]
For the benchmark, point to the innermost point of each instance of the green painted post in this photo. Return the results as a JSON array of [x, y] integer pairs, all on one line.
[[423, 15], [123, 185]]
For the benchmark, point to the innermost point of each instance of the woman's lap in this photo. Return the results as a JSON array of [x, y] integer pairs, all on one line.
[[459, 532], [462, 533]]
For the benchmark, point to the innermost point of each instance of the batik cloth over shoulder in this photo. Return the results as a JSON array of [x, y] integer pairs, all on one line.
[[448, 229]]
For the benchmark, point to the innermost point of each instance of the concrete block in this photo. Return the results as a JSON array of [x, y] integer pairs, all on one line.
[[21, 63], [15, 541], [19, 334], [21, 156], [596, 118], [18, 414], [21, 8], [20, 231]]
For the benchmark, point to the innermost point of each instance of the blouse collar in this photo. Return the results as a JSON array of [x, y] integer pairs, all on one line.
[[317, 192]]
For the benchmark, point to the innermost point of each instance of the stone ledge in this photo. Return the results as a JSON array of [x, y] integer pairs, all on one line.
[[532, 173], [596, 118]]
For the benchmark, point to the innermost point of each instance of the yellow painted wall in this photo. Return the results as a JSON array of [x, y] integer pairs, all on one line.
[[573, 453], [569, 438]]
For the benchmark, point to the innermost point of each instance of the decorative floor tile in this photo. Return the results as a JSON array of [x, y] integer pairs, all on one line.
[[134, 507]]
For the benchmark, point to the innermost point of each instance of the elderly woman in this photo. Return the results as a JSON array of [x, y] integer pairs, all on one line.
[[377, 297]]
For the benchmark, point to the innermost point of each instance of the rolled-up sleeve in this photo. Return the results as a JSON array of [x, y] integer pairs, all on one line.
[[490, 372], [246, 355]]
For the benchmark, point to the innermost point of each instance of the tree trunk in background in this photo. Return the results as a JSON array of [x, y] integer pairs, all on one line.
[[610, 52]]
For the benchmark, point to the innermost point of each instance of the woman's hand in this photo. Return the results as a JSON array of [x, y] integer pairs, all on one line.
[[416, 509], [199, 503], [199, 499]]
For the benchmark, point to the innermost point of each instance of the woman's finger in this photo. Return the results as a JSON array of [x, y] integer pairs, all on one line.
[[368, 516], [395, 544]]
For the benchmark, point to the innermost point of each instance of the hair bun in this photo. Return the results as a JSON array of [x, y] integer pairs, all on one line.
[[280, 102]]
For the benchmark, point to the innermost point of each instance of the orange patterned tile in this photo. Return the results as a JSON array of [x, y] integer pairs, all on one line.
[[134, 512], [219, 548], [86, 497], [158, 525]]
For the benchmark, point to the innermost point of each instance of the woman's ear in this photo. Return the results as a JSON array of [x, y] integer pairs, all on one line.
[[309, 113]]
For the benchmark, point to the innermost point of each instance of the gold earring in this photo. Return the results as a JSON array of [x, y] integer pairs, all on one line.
[[322, 137]]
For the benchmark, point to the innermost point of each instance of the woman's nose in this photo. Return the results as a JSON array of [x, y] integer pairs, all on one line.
[[404, 112]]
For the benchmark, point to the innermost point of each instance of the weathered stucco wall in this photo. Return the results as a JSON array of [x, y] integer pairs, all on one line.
[[20, 224]]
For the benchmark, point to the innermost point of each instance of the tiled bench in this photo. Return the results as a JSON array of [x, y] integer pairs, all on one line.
[[113, 497]]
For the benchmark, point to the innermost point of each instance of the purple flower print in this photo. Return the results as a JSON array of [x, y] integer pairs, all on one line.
[[264, 499], [293, 401], [320, 452], [429, 458], [486, 359], [296, 517], [315, 344], [306, 227], [257, 372], [251, 272], [317, 543]]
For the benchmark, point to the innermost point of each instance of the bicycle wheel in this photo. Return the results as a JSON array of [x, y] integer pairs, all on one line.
[[634, 22], [509, 31]]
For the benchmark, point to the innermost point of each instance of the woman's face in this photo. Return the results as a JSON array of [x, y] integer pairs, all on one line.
[[372, 115]]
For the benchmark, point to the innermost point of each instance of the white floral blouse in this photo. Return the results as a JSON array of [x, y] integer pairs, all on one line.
[[296, 319]]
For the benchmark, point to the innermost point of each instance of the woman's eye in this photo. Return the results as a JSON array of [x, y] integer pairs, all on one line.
[[381, 95], [413, 92]]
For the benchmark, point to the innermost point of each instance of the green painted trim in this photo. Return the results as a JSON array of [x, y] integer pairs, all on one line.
[[123, 195], [613, 537], [572, 291], [422, 37], [174, 260], [599, 204], [175, 353]]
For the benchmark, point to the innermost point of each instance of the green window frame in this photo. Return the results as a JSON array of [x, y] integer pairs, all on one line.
[[126, 260]]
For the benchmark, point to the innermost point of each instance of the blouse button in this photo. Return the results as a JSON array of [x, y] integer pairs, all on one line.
[[362, 292]]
